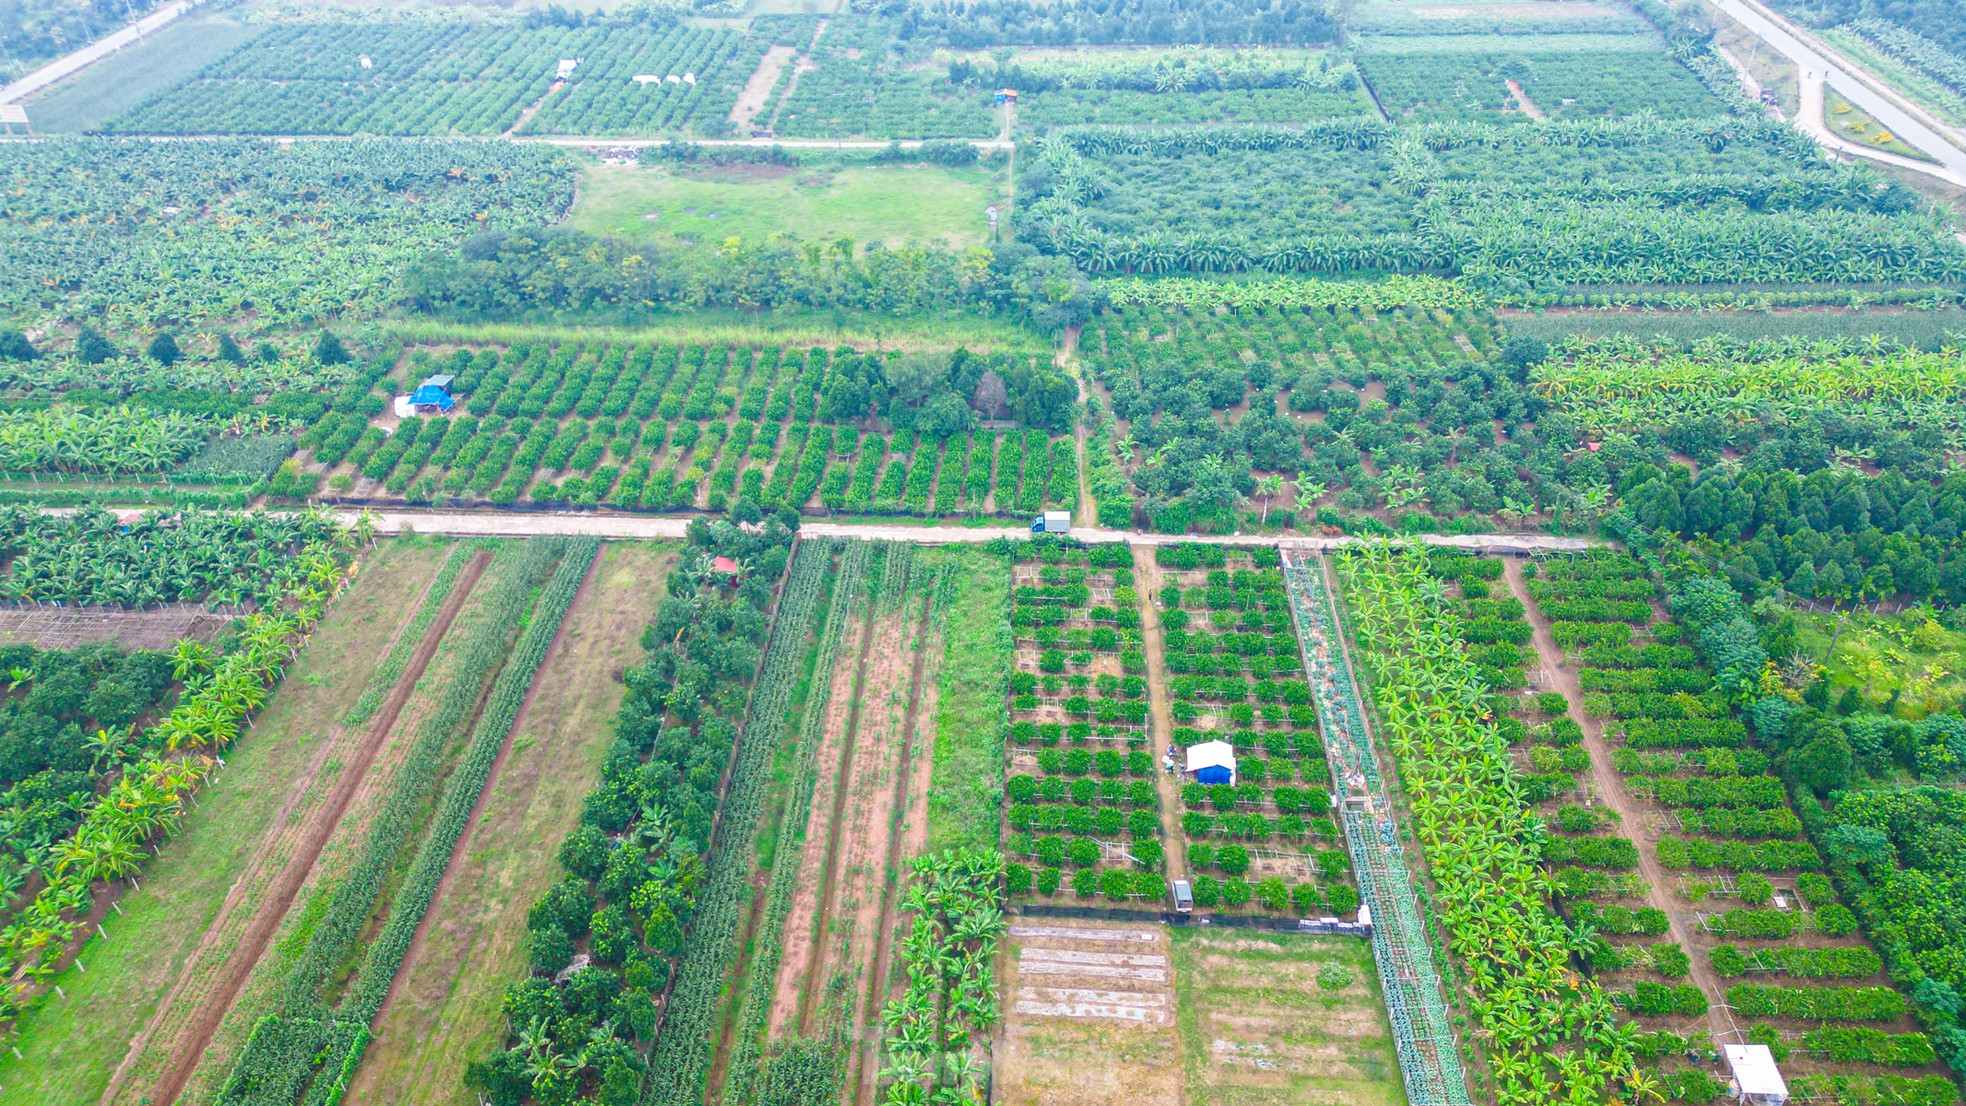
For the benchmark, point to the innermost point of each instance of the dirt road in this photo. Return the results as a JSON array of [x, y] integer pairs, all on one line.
[[1610, 787]]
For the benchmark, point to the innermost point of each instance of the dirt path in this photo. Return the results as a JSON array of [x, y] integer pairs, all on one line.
[[792, 998], [600, 524], [1527, 105], [531, 110], [907, 832], [802, 65], [583, 595], [757, 90], [1148, 582], [1610, 787], [274, 909]]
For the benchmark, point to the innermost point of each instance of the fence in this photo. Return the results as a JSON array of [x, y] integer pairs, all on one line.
[[1423, 1035], [1170, 918]]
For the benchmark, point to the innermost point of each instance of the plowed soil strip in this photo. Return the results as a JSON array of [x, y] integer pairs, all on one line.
[[911, 748], [584, 595], [829, 877], [800, 942], [253, 946]]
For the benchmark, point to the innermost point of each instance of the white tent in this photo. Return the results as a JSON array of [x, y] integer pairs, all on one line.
[[1212, 762], [1757, 1081]]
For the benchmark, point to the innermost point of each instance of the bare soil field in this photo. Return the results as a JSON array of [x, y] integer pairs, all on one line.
[[1260, 1024], [445, 1010], [1087, 1017]]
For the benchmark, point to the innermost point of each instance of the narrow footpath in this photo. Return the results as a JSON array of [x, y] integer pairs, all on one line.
[[1147, 580], [1610, 789]]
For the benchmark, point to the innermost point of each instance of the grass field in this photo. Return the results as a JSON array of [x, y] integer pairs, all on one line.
[[1905, 660], [447, 1011], [770, 328], [1258, 1027], [893, 204], [966, 785], [71, 1046], [1854, 124], [119, 82]]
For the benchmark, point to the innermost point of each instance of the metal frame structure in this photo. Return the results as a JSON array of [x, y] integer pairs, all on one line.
[[1423, 1032]]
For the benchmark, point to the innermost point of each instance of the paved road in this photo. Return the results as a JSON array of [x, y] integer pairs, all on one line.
[[644, 527], [1817, 66], [88, 55]]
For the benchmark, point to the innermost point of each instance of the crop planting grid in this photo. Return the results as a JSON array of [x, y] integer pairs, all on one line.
[[1081, 780], [1235, 674], [380, 78], [1299, 385], [1762, 918], [663, 427], [1558, 76]]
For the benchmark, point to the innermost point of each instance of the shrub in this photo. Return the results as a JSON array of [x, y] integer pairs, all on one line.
[[1333, 976], [1233, 859], [1017, 879]]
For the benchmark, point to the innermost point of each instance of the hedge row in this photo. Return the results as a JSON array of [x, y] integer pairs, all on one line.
[[1816, 1003]]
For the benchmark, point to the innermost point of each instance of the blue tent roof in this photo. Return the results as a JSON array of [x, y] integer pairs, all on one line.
[[432, 395], [1214, 773]]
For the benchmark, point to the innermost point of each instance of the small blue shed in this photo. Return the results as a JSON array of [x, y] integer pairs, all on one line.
[[434, 392], [1212, 762]]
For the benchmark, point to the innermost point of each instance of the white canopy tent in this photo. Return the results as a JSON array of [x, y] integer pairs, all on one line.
[[1757, 1081], [1212, 762]]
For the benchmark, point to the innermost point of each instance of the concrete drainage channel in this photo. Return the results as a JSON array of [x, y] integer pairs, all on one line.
[[1429, 1055]]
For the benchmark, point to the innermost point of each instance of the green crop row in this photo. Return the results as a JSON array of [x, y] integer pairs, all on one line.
[[682, 1050], [384, 678], [467, 779], [1816, 1003]]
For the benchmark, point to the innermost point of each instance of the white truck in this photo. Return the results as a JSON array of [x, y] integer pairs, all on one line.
[[1052, 522]]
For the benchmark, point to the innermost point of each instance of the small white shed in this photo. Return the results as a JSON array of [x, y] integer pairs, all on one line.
[[1756, 1080], [1212, 762]]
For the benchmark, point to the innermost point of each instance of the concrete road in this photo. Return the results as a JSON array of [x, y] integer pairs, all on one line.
[[645, 528], [1818, 68], [88, 55]]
